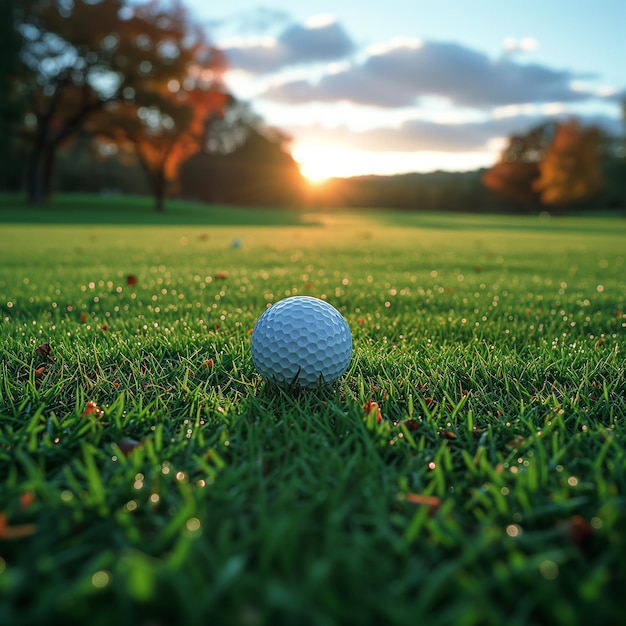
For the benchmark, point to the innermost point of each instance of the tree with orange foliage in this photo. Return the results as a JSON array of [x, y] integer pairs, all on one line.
[[570, 171], [83, 56], [163, 128], [515, 173]]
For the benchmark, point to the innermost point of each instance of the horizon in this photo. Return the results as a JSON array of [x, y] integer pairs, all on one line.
[[405, 88]]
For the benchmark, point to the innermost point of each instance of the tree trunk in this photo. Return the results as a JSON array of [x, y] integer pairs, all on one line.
[[39, 176], [159, 191], [158, 203], [47, 140]]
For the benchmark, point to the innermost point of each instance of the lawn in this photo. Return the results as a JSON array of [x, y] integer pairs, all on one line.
[[150, 477]]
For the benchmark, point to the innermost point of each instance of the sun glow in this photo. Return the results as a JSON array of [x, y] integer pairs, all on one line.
[[317, 164], [314, 174]]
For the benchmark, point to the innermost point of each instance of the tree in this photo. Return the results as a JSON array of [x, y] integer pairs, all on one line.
[[85, 54], [244, 162], [514, 175], [570, 170], [11, 68], [614, 166], [163, 128], [89, 165]]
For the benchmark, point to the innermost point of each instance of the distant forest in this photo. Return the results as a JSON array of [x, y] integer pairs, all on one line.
[[149, 114], [258, 170]]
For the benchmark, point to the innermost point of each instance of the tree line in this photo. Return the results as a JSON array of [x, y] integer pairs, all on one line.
[[129, 98], [555, 166]]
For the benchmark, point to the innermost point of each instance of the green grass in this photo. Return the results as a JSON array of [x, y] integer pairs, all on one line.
[[136, 210], [494, 346]]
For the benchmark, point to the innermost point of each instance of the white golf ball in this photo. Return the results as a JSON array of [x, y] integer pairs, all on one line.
[[302, 341]]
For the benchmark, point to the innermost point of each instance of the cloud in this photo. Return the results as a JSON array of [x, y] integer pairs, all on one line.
[[420, 135], [398, 75], [259, 20], [525, 44], [613, 95], [313, 42]]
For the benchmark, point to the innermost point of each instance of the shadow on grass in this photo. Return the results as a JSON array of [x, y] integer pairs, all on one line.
[[584, 224], [139, 210], [136, 210]]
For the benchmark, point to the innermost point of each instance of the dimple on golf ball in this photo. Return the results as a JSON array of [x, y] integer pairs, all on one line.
[[301, 341]]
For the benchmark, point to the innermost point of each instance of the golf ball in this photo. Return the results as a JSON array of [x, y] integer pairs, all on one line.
[[302, 341]]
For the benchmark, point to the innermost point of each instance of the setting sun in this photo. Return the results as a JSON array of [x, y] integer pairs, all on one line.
[[313, 174], [318, 164], [321, 162]]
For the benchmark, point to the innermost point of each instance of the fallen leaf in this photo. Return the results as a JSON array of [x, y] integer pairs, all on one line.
[[578, 530], [370, 407], [516, 442], [43, 350], [127, 445], [432, 502], [26, 499], [263, 465], [18, 531], [92, 409]]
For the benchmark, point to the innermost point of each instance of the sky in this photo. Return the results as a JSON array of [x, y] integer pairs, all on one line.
[[418, 85]]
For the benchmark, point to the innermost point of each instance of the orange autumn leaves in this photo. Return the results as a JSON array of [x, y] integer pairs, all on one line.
[[17, 531], [432, 502], [372, 409], [373, 413], [43, 351], [570, 169], [576, 529], [92, 410], [554, 164]]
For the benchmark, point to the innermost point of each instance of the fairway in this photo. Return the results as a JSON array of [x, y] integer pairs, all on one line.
[[149, 476]]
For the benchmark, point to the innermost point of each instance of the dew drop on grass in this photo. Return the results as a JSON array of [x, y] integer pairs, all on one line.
[[101, 579], [549, 569], [513, 530]]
